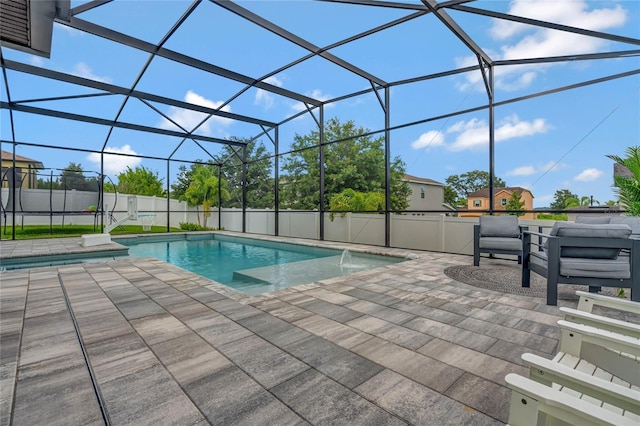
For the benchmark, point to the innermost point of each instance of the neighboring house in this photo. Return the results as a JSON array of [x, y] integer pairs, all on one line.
[[26, 170], [479, 200], [426, 194]]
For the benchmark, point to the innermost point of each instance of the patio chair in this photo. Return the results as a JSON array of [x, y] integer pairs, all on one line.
[[497, 235], [573, 389], [585, 254], [593, 377]]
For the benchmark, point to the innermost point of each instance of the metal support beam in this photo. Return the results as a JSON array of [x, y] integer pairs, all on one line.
[[219, 197], [102, 121], [168, 196], [111, 88], [139, 44], [387, 169], [545, 24], [321, 183], [270, 26], [276, 181], [244, 188], [492, 153], [171, 31], [453, 26]]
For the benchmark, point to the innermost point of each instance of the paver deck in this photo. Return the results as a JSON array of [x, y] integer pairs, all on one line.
[[139, 341]]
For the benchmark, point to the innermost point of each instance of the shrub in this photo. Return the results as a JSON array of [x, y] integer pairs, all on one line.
[[186, 226], [553, 216]]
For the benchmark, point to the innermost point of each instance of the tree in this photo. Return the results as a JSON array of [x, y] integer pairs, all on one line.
[[260, 192], [350, 200], [356, 162], [515, 203], [183, 180], [466, 183], [140, 181], [560, 199], [628, 186], [203, 190], [450, 196], [579, 202], [71, 177]]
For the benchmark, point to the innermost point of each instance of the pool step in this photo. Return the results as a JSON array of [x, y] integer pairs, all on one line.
[[294, 273]]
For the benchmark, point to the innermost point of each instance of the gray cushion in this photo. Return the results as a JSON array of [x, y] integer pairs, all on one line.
[[596, 268], [593, 219], [632, 221], [498, 243], [505, 226], [586, 230], [590, 268]]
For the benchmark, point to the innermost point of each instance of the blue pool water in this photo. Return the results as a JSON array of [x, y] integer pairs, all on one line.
[[255, 267]]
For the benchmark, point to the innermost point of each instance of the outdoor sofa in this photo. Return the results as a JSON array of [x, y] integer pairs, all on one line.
[[586, 253]]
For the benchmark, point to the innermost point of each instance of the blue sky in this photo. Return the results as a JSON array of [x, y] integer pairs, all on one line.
[[543, 143]]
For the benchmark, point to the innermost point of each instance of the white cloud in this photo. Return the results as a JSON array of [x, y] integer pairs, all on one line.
[[430, 139], [83, 70], [36, 61], [527, 41], [316, 94], [522, 171], [474, 134], [530, 170], [115, 164], [573, 13], [190, 119], [69, 30], [589, 175], [265, 98]]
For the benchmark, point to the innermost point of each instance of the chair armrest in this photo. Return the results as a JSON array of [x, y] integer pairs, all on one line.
[[539, 234], [546, 372], [575, 334], [555, 404], [589, 300], [604, 323]]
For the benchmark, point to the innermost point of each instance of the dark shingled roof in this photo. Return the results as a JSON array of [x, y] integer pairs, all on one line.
[[417, 179], [620, 170]]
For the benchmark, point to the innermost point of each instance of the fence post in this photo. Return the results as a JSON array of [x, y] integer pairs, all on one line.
[[442, 232]]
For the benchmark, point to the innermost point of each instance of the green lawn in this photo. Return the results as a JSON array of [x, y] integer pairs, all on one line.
[[42, 231]]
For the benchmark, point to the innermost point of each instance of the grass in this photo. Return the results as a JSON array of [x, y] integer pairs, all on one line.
[[57, 231]]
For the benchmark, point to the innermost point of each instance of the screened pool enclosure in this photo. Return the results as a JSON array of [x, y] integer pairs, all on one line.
[[293, 107]]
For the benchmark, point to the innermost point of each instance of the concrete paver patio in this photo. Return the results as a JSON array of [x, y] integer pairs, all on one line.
[[403, 344]]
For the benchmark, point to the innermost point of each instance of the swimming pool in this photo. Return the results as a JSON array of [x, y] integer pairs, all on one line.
[[252, 266]]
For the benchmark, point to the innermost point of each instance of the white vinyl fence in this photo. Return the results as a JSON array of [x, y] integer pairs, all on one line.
[[433, 232]]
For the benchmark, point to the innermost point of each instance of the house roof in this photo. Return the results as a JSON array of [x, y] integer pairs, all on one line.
[[484, 192], [620, 170], [585, 208], [9, 157], [426, 181]]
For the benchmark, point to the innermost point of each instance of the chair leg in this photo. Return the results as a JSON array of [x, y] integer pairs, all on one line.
[[476, 258], [526, 276], [594, 289], [552, 290], [519, 260]]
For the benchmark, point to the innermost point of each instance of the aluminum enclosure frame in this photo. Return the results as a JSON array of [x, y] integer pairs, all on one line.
[[379, 87]]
